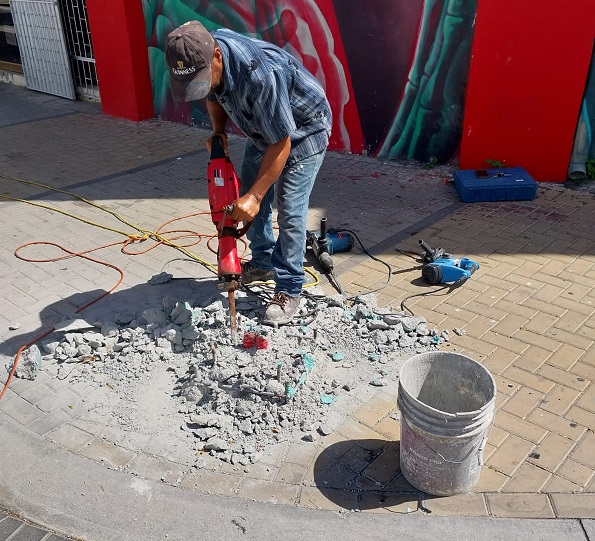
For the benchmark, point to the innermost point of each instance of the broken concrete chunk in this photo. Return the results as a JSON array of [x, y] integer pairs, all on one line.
[[377, 324], [109, 329], [29, 363], [161, 278], [216, 444]]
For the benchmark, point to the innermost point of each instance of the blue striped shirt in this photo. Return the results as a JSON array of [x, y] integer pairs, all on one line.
[[269, 95]]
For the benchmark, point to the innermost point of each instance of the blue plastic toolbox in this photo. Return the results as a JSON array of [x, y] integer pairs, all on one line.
[[505, 184]]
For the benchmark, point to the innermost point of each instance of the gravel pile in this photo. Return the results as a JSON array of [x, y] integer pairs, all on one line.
[[293, 382]]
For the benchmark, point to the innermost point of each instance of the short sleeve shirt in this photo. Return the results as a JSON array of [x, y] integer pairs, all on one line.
[[269, 95]]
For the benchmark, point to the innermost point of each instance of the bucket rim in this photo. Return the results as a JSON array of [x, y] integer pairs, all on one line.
[[472, 414], [462, 415]]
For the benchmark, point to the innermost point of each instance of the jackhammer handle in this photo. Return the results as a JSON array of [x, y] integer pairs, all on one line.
[[323, 228], [427, 249], [326, 261], [217, 149]]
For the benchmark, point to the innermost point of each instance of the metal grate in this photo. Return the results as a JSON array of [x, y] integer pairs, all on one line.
[[80, 48], [41, 43]]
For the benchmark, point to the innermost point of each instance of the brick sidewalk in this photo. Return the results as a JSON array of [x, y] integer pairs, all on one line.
[[528, 314]]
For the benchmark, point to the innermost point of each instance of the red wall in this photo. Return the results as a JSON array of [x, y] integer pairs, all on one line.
[[120, 49], [529, 66]]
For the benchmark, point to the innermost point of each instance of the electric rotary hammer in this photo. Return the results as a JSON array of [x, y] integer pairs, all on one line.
[[441, 268]]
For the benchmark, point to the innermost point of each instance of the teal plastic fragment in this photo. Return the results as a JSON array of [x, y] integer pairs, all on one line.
[[374, 356], [338, 356], [308, 361], [326, 399], [289, 391]]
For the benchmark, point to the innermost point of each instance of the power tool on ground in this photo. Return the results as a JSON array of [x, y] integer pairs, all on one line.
[[441, 268], [326, 242], [223, 187]]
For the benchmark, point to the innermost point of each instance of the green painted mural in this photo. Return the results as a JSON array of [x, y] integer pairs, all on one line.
[[395, 71]]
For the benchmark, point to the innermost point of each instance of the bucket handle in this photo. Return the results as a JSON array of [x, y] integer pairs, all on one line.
[[479, 449]]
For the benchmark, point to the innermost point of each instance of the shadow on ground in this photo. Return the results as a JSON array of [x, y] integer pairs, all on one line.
[[120, 306], [365, 475]]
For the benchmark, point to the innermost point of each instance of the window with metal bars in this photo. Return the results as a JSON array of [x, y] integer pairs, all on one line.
[[80, 48]]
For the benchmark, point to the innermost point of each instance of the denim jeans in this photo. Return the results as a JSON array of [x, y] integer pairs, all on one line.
[[293, 188]]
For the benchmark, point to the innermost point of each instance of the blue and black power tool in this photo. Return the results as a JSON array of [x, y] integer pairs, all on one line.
[[324, 244], [441, 268]]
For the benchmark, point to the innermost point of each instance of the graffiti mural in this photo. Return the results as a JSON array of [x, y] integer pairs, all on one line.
[[582, 159], [394, 71]]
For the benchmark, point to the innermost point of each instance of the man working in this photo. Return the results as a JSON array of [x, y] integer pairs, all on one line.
[[284, 113]]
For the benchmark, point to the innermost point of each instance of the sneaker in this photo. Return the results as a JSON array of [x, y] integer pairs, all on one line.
[[281, 309], [251, 274]]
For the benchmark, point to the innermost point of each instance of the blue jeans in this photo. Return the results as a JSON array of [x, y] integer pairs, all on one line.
[[293, 188]]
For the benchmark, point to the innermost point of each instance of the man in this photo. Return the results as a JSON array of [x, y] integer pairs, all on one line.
[[284, 113]]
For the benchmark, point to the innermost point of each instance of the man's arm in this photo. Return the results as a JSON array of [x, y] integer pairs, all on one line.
[[218, 118], [273, 162]]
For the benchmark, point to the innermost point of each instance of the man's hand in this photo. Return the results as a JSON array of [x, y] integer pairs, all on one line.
[[209, 142], [245, 208]]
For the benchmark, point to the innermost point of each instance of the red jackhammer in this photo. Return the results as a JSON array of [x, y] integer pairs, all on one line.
[[223, 188]]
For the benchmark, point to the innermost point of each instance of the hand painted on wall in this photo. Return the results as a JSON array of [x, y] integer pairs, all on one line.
[[394, 71]]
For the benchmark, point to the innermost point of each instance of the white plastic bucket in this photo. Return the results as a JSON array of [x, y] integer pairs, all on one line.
[[447, 408]]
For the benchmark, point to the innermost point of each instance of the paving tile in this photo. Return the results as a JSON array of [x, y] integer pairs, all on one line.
[[509, 325], [386, 466], [49, 421], [301, 454], [515, 425], [587, 400], [575, 472], [583, 453], [520, 505], [212, 482], [8, 526], [528, 478], [509, 343], [498, 361], [386, 502], [584, 370], [523, 402], [574, 505], [532, 358], [329, 499], [21, 411], [566, 356], [490, 480], [29, 533], [559, 484], [291, 474], [470, 505], [156, 468], [376, 409], [551, 452], [361, 434], [510, 455], [262, 471], [559, 399], [268, 491], [582, 417], [389, 427], [533, 381], [563, 377], [107, 453], [555, 423]]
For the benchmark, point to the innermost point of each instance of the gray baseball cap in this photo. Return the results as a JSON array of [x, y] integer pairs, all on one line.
[[189, 52]]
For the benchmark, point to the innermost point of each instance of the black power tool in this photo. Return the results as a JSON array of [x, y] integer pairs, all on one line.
[[324, 243]]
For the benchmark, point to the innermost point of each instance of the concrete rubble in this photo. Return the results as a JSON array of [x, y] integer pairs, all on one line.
[[294, 382]]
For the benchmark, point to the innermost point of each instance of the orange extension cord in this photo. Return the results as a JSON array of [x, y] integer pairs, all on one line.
[[158, 239]]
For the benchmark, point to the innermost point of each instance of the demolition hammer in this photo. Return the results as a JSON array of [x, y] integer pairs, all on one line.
[[441, 268], [324, 243], [223, 187]]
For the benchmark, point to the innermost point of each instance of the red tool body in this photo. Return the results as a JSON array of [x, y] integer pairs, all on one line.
[[223, 188]]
